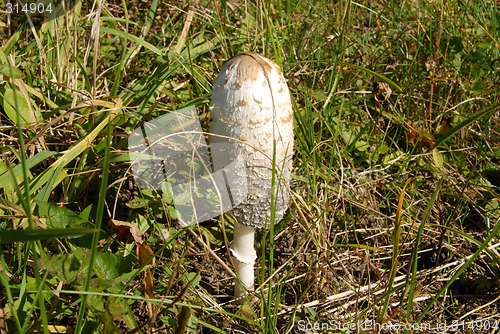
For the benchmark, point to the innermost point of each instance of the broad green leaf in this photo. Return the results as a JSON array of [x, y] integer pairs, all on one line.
[[10, 71], [194, 278], [438, 158], [173, 213], [55, 216], [13, 101], [108, 318], [183, 198], [167, 193], [361, 145], [108, 264], [66, 267], [85, 214]]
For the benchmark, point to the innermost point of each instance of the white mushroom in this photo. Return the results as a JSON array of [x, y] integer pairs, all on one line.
[[251, 103]]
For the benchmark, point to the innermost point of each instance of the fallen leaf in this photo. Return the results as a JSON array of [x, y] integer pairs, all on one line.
[[145, 255], [148, 291], [416, 137], [444, 127], [186, 321], [381, 91], [411, 133], [126, 232]]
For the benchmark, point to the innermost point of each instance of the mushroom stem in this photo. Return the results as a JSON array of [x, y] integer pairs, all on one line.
[[244, 256]]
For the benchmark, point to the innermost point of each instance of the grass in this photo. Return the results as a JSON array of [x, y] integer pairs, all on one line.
[[394, 211]]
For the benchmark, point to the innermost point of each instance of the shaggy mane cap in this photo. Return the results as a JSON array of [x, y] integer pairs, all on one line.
[[251, 103]]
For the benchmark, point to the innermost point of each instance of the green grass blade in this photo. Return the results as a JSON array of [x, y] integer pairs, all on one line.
[[465, 123], [73, 152], [25, 199], [98, 221], [32, 234], [8, 292], [395, 250], [136, 39], [17, 170], [459, 272], [418, 237]]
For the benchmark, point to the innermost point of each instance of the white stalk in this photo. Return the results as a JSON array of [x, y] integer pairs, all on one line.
[[244, 256]]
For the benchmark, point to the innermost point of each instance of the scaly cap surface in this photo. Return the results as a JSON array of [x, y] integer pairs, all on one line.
[[251, 103]]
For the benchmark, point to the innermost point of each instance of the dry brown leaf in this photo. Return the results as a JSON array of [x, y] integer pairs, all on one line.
[[148, 291], [145, 255], [381, 91], [126, 232], [415, 137]]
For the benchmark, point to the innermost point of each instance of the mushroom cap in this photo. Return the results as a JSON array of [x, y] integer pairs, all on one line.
[[251, 103]]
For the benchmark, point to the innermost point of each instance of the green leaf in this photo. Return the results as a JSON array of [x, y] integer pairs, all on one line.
[[361, 145], [194, 278], [109, 326], [55, 216], [137, 203], [66, 267], [438, 158], [173, 213], [11, 71], [167, 193], [108, 264], [85, 214], [13, 101], [183, 198]]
